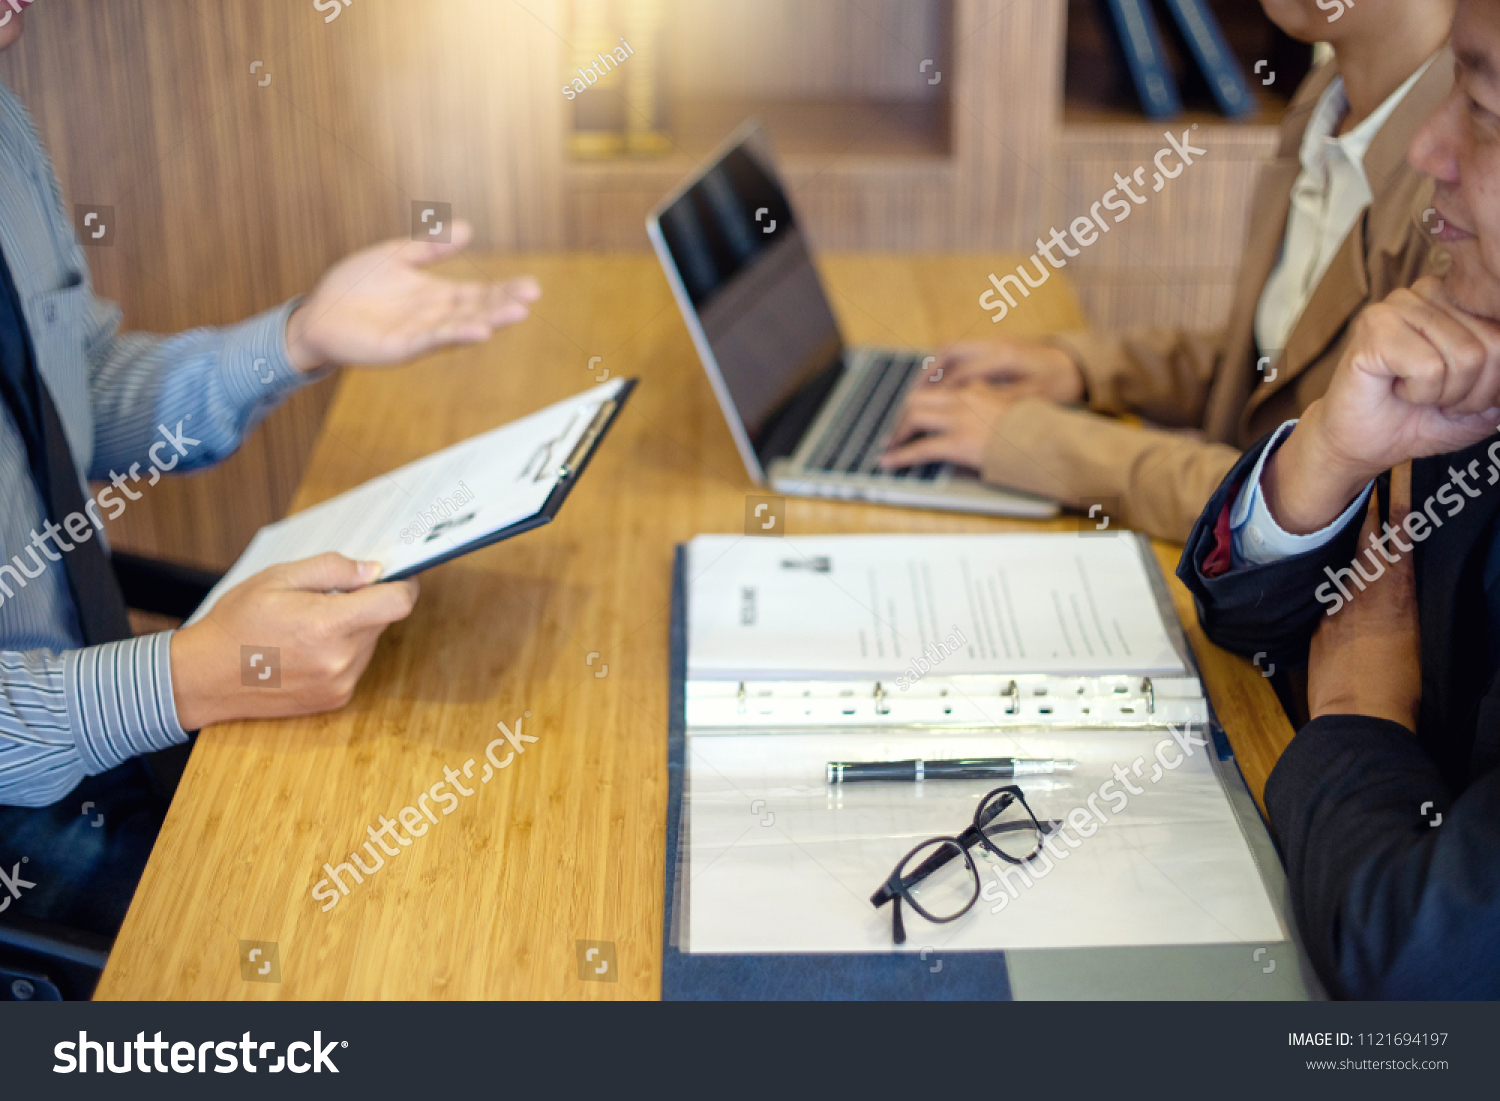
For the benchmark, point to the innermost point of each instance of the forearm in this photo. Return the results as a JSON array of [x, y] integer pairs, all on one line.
[[1309, 483], [1269, 605], [1161, 373], [207, 386], [1149, 480], [64, 717], [1391, 900]]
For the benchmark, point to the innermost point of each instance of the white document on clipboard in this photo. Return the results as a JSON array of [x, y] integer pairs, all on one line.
[[448, 503], [805, 651]]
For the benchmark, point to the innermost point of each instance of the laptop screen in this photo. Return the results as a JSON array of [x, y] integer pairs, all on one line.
[[748, 274]]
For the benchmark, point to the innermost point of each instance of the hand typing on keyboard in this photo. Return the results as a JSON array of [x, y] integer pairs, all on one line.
[[1015, 361], [951, 424]]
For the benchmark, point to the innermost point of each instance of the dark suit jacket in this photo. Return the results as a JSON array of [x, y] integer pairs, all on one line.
[[1389, 906]]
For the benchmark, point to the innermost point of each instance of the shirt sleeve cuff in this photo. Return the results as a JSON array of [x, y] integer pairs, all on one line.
[[120, 702], [256, 366], [1258, 539]]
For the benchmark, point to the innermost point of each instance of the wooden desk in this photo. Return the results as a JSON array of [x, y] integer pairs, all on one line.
[[567, 844]]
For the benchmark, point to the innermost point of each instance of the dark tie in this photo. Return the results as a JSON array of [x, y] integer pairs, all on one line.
[[96, 594]]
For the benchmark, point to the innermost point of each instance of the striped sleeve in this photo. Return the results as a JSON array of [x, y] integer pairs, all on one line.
[[64, 717], [206, 389]]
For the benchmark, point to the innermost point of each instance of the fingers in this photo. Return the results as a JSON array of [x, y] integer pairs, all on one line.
[[421, 253], [928, 449], [1461, 371], [468, 313], [957, 364], [977, 361], [924, 413], [326, 573], [379, 605], [931, 412], [522, 289]]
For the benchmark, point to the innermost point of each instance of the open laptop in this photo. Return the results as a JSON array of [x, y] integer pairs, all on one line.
[[811, 417]]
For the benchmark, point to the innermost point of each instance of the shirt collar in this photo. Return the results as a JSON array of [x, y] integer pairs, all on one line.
[[1321, 133]]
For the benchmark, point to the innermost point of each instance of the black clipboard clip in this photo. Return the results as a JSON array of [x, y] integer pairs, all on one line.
[[567, 476]]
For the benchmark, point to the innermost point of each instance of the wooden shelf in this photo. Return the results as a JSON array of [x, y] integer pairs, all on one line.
[[826, 129], [1081, 113]]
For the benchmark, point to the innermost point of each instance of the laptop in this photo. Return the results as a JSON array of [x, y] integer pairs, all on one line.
[[811, 416]]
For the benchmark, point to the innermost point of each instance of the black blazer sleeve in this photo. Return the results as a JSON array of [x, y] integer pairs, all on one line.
[[1389, 905], [1272, 609]]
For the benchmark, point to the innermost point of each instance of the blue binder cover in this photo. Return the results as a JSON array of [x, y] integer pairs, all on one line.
[[1214, 57], [1147, 57], [861, 976]]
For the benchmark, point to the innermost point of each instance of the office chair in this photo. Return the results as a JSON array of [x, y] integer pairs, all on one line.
[[40, 961]]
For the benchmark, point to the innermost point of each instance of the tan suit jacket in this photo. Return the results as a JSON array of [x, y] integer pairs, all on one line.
[[1209, 383]]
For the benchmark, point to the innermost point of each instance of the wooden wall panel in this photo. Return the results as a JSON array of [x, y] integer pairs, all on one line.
[[1006, 110], [1173, 261], [231, 196]]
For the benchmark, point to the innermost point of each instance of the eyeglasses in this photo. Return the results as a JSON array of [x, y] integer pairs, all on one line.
[[939, 878]]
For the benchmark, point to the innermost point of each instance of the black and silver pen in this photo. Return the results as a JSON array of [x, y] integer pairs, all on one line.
[[971, 768]]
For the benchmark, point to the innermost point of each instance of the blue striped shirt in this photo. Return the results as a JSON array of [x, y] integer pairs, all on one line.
[[69, 711]]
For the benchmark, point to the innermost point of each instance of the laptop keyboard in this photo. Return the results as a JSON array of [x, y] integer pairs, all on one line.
[[855, 441]]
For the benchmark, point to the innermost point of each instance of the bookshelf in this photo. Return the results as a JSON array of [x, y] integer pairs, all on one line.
[[1178, 264], [1032, 115], [855, 94], [1097, 87]]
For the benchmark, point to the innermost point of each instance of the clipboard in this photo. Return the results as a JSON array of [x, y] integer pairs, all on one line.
[[512, 497], [575, 464]]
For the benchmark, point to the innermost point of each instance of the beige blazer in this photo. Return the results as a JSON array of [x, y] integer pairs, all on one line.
[[1208, 383]]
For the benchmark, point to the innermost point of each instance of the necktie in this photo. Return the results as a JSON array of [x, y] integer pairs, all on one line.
[[96, 594]]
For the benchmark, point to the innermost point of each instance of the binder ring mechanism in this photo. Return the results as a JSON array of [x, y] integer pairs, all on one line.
[[1030, 700]]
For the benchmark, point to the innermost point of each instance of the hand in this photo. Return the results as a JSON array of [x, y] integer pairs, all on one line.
[[1420, 377], [1366, 658], [948, 424], [1028, 365], [325, 614], [377, 307]]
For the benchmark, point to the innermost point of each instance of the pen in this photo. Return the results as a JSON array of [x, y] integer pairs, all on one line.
[[971, 768]]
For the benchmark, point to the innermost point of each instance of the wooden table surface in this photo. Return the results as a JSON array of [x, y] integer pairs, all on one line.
[[568, 843]]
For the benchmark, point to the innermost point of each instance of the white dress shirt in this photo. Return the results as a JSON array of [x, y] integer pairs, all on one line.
[[1331, 192], [67, 710], [1258, 539]]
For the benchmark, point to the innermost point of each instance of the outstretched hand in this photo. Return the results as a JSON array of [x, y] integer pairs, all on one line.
[[378, 307]]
